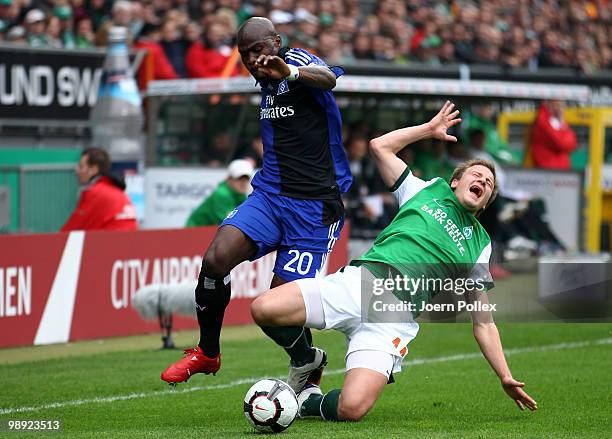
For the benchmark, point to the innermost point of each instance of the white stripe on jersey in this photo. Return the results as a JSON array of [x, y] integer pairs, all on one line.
[[296, 60], [330, 234], [301, 55], [304, 55]]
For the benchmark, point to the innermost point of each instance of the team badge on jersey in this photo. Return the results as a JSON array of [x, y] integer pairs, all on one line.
[[283, 87], [467, 232]]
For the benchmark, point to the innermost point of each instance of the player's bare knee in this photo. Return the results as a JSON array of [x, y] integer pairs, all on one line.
[[352, 409], [260, 311], [217, 261]]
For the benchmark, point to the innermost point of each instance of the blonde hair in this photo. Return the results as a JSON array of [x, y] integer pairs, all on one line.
[[460, 170]]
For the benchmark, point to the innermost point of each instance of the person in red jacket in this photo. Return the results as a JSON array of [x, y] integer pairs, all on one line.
[[149, 39], [552, 140], [103, 204], [208, 58]]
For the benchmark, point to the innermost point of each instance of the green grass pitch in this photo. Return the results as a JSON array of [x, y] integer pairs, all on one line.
[[112, 389]]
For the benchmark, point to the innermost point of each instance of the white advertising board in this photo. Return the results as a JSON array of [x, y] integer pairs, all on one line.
[[560, 191], [171, 194]]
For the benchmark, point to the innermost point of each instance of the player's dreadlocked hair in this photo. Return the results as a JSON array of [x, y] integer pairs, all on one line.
[[459, 170]]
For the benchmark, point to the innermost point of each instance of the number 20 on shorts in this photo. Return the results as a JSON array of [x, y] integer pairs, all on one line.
[[300, 262]]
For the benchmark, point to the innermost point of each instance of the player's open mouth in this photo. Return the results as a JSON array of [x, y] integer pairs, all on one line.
[[477, 190]]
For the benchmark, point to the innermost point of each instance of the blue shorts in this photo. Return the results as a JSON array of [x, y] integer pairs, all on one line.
[[302, 232]]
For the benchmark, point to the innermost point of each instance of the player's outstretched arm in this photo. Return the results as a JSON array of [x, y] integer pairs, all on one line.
[[313, 76], [318, 77], [487, 336], [385, 148]]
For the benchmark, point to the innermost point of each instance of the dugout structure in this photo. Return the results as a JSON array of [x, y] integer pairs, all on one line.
[[593, 126], [189, 121], [185, 117]]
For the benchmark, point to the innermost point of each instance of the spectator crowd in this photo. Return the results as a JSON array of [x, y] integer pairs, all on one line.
[[194, 38]]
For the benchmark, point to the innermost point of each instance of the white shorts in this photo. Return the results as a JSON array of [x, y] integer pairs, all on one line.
[[378, 361], [334, 302]]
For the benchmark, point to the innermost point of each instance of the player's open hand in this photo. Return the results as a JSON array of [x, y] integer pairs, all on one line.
[[442, 121], [514, 390], [272, 66]]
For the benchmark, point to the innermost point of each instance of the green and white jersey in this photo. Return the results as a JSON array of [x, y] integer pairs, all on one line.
[[432, 236]]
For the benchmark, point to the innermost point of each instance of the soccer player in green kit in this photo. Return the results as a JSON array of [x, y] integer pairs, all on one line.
[[435, 227]]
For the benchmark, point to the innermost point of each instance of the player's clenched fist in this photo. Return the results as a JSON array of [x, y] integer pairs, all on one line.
[[272, 66]]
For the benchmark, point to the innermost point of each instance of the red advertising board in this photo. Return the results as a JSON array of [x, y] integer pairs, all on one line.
[[27, 270], [65, 287]]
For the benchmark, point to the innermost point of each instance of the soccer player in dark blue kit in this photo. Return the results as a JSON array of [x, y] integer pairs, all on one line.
[[296, 206]]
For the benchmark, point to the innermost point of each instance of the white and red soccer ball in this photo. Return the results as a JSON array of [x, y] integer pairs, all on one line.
[[270, 405]]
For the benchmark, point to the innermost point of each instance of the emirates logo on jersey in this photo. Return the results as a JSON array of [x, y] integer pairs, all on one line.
[[272, 112], [276, 112]]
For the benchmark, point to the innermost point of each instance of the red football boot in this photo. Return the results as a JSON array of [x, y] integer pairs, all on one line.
[[194, 362]]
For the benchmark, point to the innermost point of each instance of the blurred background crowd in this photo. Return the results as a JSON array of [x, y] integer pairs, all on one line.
[[514, 33]]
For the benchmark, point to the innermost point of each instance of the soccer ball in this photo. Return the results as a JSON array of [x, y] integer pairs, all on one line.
[[270, 405]]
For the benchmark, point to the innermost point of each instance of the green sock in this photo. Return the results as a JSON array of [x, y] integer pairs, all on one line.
[[325, 406], [312, 406], [294, 340]]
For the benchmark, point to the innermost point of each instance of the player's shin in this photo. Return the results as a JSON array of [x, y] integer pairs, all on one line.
[[212, 297], [308, 333], [325, 406], [295, 342]]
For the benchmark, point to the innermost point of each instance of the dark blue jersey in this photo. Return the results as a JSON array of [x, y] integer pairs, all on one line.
[[301, 129]]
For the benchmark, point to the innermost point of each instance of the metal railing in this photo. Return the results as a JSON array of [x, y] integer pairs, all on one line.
[[42, 196]]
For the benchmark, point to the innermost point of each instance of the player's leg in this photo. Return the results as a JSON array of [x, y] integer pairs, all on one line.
[[295, 340], [361, 389], [282, 306], [375, 350], [326, 219], [310, 230], [306, 362], [229, 247], [277, 281], [249, 232], [368, 373], [282, 313]]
